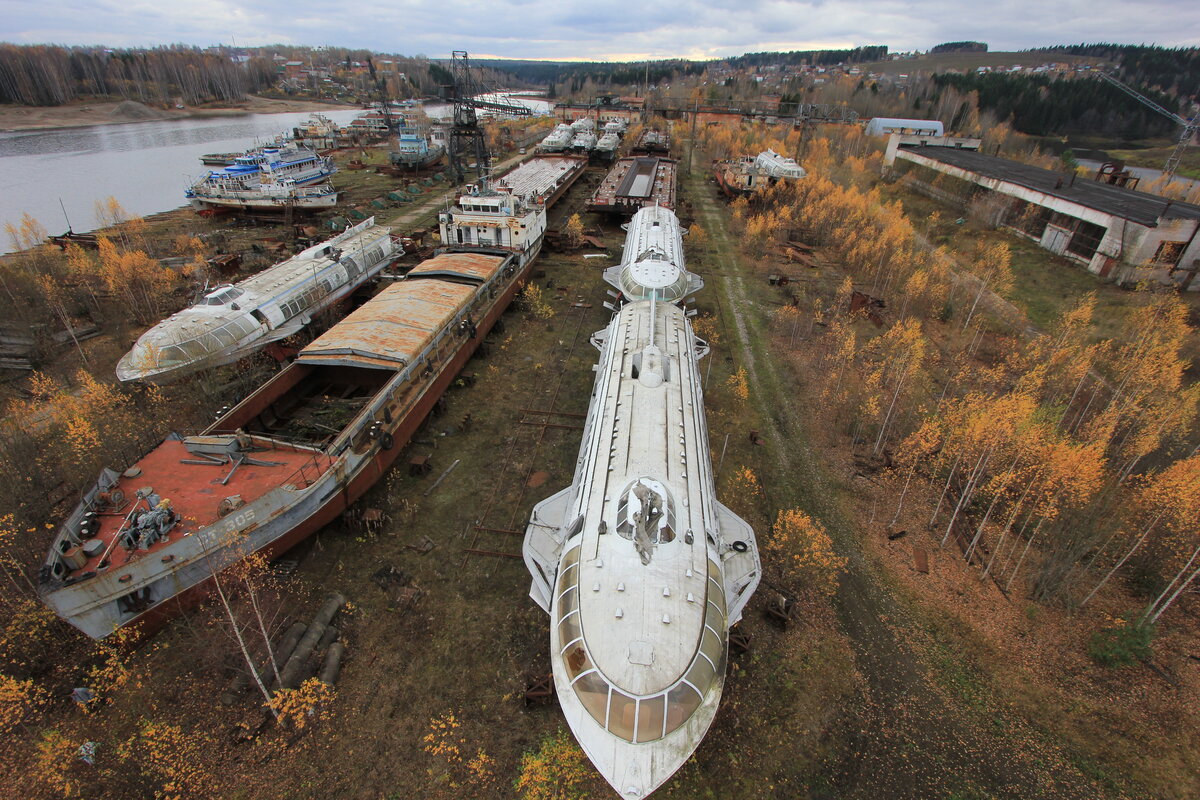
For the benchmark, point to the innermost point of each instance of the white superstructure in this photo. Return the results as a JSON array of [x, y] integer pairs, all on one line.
[[558, 139], [230, 322], [652, 261], [640, 568], [583, 141], [776, 166], [608, 143]]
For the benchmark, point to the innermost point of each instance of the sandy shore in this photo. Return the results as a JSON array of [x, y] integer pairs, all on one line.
[[20, 118]]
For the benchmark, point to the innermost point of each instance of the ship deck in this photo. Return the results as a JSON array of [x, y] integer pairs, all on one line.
[[636, 182], [542, 175], [195, 491]]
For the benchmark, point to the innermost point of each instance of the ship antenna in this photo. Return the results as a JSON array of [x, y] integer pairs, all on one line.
[[64, 208]]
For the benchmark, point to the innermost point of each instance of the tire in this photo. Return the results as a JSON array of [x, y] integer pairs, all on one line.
[[386, 441], [740, 546]]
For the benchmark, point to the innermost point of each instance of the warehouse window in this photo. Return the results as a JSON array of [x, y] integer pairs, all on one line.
[[1086, 240], [1169, 253]]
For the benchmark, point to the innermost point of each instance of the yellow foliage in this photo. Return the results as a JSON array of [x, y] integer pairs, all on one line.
[[805, 551], [557, 770], [745, 483], [535, 303], [706, 327], [443, 739], [739, 385], [573, 231], [172, 759], [52, 767], [18, 699], [311, 701], [27, 636]]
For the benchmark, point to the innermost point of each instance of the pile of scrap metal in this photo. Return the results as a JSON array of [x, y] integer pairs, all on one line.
[[304, 650]]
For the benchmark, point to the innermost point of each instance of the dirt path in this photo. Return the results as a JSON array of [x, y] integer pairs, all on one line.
[[906, 737]]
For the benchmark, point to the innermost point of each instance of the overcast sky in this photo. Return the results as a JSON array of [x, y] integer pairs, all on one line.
[[599, 29]]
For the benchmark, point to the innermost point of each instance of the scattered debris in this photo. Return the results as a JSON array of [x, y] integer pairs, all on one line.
[[538, 688], [387, 577], [921, 560], [870, 306], [373, 519], [425, 545], [779, 609], [442, 477]]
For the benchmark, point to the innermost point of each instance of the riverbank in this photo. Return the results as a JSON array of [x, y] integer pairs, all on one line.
[[76, 115]]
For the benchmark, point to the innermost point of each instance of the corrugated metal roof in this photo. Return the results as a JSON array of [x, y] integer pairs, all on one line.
[[392, 329], [473, 266], [1135, 206]]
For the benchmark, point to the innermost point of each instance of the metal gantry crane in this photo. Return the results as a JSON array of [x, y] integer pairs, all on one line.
[[1190, 126], [465, 134]]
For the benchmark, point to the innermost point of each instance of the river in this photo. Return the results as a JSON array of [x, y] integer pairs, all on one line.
[[146, 166]]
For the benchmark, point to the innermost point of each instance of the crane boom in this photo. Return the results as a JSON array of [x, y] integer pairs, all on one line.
[[1190, 126]]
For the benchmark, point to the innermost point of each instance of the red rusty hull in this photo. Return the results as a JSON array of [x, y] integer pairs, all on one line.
[[367, 473]]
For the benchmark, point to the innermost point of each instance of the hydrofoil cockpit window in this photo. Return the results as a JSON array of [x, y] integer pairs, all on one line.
[[223, 295], [647, 504]]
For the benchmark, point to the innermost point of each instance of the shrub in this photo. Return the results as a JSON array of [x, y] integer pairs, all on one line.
[[1121, 644]]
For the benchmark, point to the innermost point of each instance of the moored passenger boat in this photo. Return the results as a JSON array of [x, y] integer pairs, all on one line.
[[641, 570], [231, 322]]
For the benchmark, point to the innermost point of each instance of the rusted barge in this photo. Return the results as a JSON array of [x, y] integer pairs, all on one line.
[[634, 183], [272, 470]]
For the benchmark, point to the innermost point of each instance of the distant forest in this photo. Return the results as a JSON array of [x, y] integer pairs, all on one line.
[[959, 47], [46, 75], [857, 55], [567, 77], [571, 76], [1173, 70], [1040, 105]]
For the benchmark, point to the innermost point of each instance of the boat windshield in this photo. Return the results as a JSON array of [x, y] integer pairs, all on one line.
[[222, 295], [639, 719]]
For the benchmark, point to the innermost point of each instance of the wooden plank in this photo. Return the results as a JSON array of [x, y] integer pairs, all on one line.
[[921, 560]]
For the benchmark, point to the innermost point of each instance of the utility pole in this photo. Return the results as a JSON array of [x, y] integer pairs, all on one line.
[[692, 137]]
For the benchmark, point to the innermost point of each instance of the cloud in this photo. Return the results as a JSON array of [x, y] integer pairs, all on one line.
[[599, 29]]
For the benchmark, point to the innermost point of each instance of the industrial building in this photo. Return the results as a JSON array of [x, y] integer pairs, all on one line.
[[1117, 233], [883, 126]]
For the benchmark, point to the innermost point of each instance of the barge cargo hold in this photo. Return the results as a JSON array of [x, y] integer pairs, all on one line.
[[634, 183], [144, 542]]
